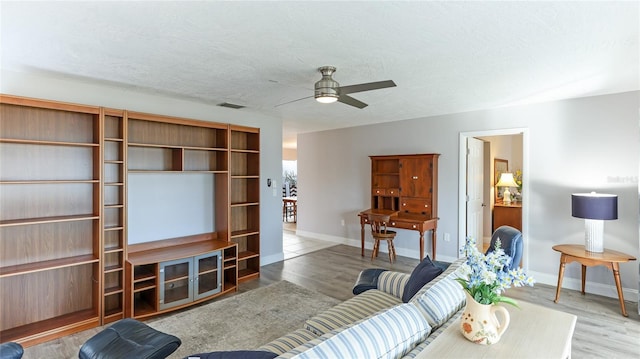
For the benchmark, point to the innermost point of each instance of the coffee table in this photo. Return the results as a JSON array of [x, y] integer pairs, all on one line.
[[534, 332]]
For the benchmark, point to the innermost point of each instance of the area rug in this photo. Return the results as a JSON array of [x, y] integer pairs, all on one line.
[[242, 321]]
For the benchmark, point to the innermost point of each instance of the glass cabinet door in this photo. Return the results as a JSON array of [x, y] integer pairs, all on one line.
[[176, 283], [208, 274]]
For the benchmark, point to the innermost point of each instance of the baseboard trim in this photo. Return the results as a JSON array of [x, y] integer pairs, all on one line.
[[548, 279], [409, 253], [605, 290], [278, 257]]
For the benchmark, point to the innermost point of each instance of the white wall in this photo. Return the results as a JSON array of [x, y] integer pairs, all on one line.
[[575, 145], [45, 86]]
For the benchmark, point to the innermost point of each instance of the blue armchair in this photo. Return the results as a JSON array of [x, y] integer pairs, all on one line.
[[511, 243]]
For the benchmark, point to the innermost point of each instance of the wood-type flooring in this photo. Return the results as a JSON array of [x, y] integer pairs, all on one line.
[[601, 330]]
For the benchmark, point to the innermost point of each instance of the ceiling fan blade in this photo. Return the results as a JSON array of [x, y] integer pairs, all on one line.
[[304, 98], [366, 87], [346, 99]]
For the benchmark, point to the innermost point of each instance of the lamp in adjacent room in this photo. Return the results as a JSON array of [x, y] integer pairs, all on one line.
[[506, 180], [595, 208]]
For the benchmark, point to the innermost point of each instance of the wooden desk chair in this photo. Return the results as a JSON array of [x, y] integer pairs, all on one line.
[[380, 232]]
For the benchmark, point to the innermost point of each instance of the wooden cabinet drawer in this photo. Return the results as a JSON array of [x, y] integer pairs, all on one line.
[[416, 205], [379, 191], [404, 225], [391, 192]]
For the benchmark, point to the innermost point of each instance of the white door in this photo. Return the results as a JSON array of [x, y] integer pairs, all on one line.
[[475, 200]]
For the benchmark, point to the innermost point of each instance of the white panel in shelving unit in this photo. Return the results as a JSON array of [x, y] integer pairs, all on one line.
[[169, 205]]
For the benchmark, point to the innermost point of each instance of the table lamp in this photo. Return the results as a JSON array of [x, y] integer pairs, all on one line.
[[594, 208], [506, 180]]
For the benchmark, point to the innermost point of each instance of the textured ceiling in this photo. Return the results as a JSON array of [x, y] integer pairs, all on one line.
[[445, 57]]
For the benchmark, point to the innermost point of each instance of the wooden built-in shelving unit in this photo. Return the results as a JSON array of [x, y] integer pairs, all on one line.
[[245, 199], [114, 236], [50, 219], [65, 261]]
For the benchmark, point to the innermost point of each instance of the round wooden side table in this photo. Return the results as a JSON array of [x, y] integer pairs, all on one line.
[[609, 258]]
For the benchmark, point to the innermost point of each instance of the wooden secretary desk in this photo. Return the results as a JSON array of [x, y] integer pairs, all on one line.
[[405, 186]]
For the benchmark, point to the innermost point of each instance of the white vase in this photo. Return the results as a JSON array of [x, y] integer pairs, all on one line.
[[480, 324]]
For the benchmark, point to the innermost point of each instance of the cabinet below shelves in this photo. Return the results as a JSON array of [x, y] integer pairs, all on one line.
[[179, 272]]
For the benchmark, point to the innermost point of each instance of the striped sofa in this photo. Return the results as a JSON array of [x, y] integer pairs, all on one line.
[[376, 323]]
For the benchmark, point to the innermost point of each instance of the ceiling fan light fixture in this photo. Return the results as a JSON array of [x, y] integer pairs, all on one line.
[[326, 98], [326, 89]]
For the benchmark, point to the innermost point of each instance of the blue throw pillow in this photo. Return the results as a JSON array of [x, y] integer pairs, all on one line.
[[422, 274], [236, 354]]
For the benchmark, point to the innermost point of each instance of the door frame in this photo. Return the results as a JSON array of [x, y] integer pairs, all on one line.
[[462, 184]]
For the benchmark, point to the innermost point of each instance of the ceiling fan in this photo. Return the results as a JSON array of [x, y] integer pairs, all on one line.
[[328, 90]]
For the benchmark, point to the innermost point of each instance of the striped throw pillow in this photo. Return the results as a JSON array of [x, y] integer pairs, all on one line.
[[441, 301]]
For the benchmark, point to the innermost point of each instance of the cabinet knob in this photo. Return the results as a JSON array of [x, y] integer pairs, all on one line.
[[393, 223], [414, 226], [404, 204], [426, 205], [415, 177]]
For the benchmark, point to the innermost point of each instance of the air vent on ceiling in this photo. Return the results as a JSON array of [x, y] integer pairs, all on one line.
[[231, 105]]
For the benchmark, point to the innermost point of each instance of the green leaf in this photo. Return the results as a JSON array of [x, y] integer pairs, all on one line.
[[500, 299]]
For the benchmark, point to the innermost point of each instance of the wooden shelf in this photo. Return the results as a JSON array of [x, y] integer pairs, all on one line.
[[113, 268], [208, 271], [176, 147], [50, 182], [143, 308], [112, 315], [113, 290], [245, 204], [246, 255], [248, 273], [41, 331], [113, 206], [47, 265], [142, 286], [244, 233], [113, 228], [143, 275], [169, 253], [244, 151], [48, 143], [114, 249], [29, 221]]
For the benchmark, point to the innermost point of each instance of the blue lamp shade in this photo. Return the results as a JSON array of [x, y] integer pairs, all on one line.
[[594, 206]]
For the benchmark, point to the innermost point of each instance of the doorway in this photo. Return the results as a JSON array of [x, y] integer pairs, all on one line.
[[488, 202]]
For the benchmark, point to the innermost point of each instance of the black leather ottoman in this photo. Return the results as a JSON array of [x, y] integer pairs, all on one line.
[[129, 338], [11, 350]]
